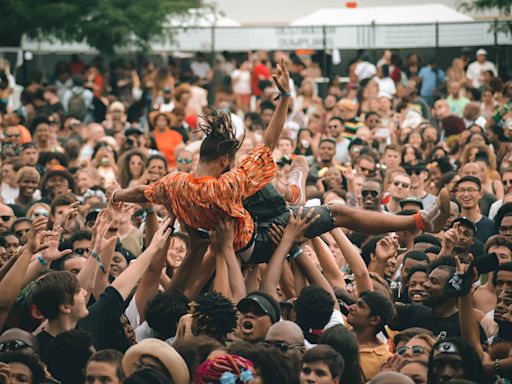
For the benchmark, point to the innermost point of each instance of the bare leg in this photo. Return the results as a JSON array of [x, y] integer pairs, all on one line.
[[368, 221]]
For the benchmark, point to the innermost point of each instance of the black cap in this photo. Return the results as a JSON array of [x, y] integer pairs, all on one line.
[[465, 222], [133, 131], [417, 164], [411, 200], [267, 303]]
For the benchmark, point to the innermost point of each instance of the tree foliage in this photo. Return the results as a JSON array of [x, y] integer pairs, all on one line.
[[504, 7], [104, 24]]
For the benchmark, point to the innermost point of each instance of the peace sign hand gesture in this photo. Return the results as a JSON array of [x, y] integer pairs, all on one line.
[[281, 77]]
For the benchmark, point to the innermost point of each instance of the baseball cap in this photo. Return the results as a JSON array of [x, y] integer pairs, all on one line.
[[465, 222], [412, 200], [264, 301], [481, 51], [133, 131]]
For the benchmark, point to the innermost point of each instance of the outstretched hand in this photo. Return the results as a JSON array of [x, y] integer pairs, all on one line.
[[161, 238], [281, 77], [223, 235], [386, 248], [298, 225]]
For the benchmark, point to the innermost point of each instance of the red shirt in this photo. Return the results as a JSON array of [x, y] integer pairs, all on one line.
[[259, 72]]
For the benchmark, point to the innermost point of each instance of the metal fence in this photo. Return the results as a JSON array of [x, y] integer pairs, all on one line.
[[327, 37]]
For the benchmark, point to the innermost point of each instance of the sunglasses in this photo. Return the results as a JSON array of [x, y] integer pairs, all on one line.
[[21, 232], [14, 345], [399, 183], [415, 349], [367, 170], [184, 161], [372, 193], [507, 182], [283, 347], [81, 251], [41, 212], [5, 218], [417, 172]]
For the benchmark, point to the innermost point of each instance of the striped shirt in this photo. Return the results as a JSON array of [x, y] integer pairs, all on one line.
[[351, 127], [196, 201]]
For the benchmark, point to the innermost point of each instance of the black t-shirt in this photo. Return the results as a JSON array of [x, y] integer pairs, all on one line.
[[484, 229], [417, 315], [102, 319]]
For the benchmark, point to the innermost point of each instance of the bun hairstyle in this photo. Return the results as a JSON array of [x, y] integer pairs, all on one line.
[[220, 137]]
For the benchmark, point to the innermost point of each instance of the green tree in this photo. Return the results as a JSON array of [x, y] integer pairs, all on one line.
[[104, 24], [503, 6]]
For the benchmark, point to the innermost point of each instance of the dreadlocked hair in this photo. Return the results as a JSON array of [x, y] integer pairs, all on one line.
[[213, 315], [220, 137]]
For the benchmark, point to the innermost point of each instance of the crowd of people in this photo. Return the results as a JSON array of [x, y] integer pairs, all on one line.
[[235, 223]]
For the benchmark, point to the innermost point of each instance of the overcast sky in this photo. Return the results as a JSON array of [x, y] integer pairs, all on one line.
[[283, 11]]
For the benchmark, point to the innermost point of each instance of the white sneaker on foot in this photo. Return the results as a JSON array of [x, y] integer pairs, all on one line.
[[298, 175], [435, 215]]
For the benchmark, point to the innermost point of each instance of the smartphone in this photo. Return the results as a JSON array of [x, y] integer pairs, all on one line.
[[382, 133], [202, 233]]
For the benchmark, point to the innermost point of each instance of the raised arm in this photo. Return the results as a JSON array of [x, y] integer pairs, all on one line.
[[11, 284], [130, 277], [275, 127], [354, 260], [293, 233], [222, 244], [315, 276], [148, 286], [331, 271]]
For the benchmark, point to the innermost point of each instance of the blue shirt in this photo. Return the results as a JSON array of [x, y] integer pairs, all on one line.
[[429, 80]]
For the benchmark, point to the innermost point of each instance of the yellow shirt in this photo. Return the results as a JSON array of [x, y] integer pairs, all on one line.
[[372, 360]]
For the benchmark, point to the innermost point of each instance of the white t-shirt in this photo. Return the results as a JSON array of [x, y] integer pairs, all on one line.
[[200, 69], [336, 318], [241, 82], [9, 194], [475, 69], [365, 70]]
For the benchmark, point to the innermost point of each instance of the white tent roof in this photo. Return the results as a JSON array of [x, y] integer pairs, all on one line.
[[201, 18], [405, 14]]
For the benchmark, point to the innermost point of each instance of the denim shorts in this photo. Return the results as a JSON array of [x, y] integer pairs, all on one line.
[[263, 247]]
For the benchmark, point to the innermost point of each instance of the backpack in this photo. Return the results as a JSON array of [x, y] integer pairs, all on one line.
[[76, 106]]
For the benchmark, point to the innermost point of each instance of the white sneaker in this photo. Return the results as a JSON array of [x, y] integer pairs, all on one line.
[[298, 175]]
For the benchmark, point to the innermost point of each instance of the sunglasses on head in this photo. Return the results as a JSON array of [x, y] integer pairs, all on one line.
[[184, 161], [417, 172], [14, 345], [5, 218], [415, 349], [372, 193]]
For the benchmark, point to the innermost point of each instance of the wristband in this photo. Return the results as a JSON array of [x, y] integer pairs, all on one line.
[[150, 210], [282, 94], [41, 260], [295, 252], [100, 263]]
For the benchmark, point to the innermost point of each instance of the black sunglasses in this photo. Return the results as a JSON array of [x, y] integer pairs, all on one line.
[[372, 193], [14, 345], [5, 218], [81, 251], [417, 172]]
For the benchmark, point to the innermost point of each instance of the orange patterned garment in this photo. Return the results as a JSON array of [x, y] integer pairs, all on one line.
[[196, 201]]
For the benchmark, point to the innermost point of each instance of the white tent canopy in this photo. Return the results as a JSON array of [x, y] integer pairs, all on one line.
[[404, 14]]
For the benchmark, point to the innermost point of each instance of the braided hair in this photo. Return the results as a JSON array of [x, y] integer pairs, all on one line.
[[225, 369], [213, 315], [220, 136]]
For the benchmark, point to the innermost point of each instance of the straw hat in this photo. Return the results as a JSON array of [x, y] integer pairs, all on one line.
[[154, 115], [162, 351]]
